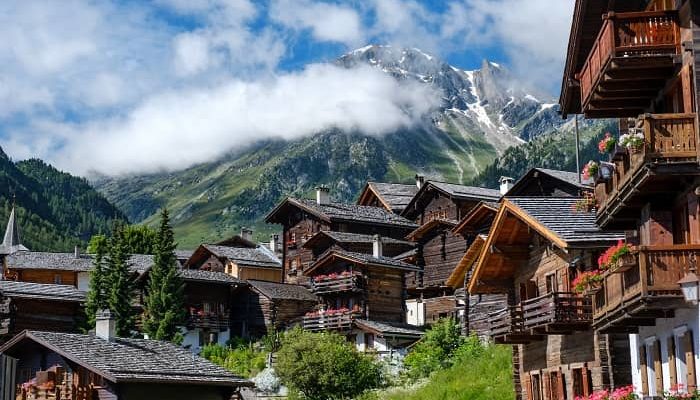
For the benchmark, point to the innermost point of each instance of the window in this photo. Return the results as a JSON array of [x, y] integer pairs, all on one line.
[[369, 341], [57, 279], [206, 337], [536, 387], [551, 281], [577, 378]]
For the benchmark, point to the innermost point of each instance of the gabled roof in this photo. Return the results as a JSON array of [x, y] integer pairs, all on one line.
[[40, 291], [565, 181], [388, 328], [131, 360], [256, 257], [68, 261], [453, 191], [456, 278], [435, 223], [360, 258], [347, 237], [558, 216], [476, 217], [283, 291], [11, 241], [340, 212], [553, 218], [198, 275], [394, 196]]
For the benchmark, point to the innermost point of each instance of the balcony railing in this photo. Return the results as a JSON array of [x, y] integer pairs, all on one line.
[[330, 321], [337, 284], [646, 291], [219, 321], [557, 312], [628, 38], [507, 326], [669, 141]]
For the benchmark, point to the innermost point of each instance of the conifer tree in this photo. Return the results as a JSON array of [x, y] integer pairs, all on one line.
[[121, 285], [164, 303], [97, 291]]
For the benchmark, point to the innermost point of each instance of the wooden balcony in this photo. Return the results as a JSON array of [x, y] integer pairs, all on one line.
[[557, 313], [648, 290], [633, 57], [330, 321], [219, 321], [661, 168], [343, 283], [507, 326]]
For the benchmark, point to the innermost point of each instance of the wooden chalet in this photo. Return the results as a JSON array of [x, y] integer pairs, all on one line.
[[208, 304], [301, 219], [637, 63], [260, 306], [61, 268], [49, 365], [393, 197], [23, 305], [354, 287], [535, 249], [256, 262], [437, 208]]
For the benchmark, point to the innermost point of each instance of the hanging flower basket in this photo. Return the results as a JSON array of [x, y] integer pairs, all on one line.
[[633, 142], [607, 144], [590, 170]]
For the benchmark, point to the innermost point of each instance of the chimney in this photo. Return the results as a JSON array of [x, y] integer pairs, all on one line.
[[506, 184], [420, 180], [322, 195], [105, 325], [77, 252], [274, 242], [247, 234], [377, 246]]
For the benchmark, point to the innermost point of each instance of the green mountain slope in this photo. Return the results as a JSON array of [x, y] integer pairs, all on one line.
[[55, 211]]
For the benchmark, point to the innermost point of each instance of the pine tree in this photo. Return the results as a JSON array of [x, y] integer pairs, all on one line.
[[121, 285], [164, 303], [97, 292]]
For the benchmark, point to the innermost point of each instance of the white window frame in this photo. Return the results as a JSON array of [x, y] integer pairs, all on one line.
[[681, 367], [651, 372]]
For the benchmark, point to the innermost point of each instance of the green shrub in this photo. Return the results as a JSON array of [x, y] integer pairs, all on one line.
[[436, 350], [321, 366], [240, 357]]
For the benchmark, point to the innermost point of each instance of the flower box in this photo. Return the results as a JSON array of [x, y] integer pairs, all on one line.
[[625, 262]]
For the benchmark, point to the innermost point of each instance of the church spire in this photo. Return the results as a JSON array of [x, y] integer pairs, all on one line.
[[11, 242]]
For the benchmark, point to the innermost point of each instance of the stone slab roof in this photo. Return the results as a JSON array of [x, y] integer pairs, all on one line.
[[396, 195], [346, 237], [390, 328], [343, 212], [68, 261], [208, 276], [558, 214], [258, 257], [39, 291], [283, 291], [133, 360], [367, 259], [468, 192]]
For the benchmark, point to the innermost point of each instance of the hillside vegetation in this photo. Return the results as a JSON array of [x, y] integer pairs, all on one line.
[[55, 210]]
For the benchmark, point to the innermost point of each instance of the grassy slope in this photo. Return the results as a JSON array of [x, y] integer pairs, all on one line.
[[486, 378]]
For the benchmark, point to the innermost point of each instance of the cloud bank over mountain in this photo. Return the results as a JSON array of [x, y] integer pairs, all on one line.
[[129, 87]]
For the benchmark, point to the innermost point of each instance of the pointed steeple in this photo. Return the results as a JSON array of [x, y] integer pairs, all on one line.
[[12, 243]]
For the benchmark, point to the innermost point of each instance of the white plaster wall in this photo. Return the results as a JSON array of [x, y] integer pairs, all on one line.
[[664, 329], [83, 281], [191, 338], [415, 312]]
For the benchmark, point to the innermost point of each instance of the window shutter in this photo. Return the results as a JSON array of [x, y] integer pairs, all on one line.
[[689, 359], [586, 382], [687, 85], [643, 369], [560, 385], [547, 384], [658, 371], [672, 360], [527, 385]]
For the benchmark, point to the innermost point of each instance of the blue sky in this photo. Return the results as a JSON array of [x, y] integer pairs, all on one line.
[[133, 86]]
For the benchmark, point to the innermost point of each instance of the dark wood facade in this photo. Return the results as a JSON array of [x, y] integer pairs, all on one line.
[[300, 222]]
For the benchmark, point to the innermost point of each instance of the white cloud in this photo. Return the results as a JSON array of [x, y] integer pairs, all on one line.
[[177, 129], [327, 22]]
